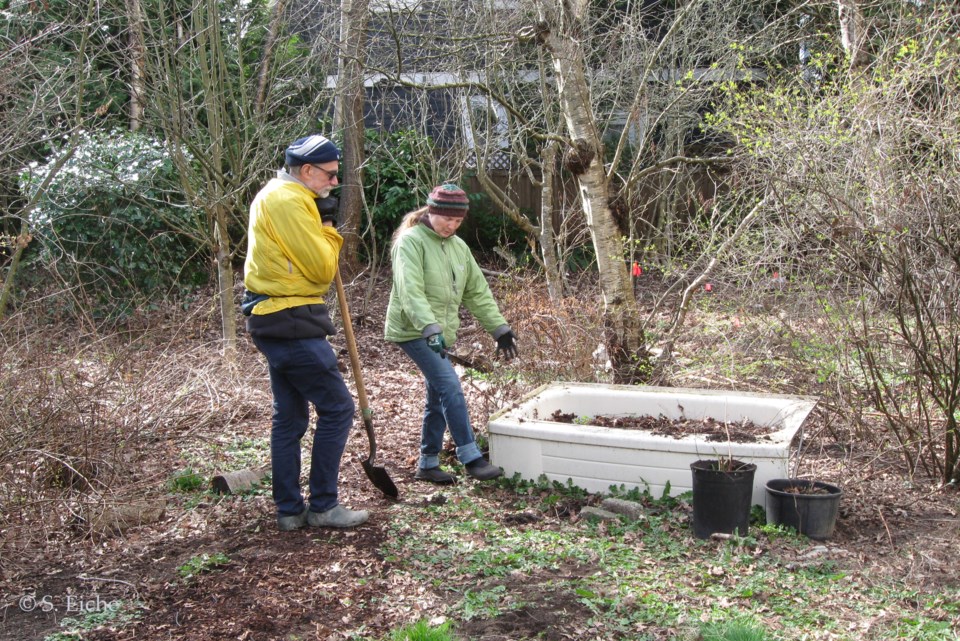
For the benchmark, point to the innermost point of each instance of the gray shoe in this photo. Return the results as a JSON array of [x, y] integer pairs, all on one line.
[[482, 470], [337, 516], [292, 521]]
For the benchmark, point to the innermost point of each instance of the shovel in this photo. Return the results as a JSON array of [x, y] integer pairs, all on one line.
[[377, 475]]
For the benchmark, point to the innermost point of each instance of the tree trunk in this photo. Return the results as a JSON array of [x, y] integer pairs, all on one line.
[[548, 243], [228, 310], [137, 64], [23, 239], [624, 336], [852, 32], [263, 80], [348, 119], [214, 83]]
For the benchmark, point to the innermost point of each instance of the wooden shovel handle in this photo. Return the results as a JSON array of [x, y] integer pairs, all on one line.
[[352, 346]]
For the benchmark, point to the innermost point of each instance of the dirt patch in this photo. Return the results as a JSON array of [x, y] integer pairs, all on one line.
[[708, 428]]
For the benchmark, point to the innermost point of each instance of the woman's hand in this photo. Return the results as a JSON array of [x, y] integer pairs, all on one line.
[[437, 344], [507, 346]]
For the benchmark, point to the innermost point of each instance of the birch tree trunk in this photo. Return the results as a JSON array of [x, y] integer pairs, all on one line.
[[624, 337], [228, 315], [852, 32], [348, 119]]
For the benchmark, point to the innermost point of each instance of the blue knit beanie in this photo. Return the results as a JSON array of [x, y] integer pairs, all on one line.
[[311, 150]]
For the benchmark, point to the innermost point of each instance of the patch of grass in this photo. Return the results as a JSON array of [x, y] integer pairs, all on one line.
[[733, 631], [423, 631], [116, 613], [227, 452], [186, 481], [484, 604], [648, 574], [202, 563], [247, 452]]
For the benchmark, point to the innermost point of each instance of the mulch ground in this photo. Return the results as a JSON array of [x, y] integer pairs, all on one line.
[[316, 584]]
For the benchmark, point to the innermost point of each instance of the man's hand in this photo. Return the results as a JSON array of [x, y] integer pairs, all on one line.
[[329, 209], [507, 345], [437, 344]]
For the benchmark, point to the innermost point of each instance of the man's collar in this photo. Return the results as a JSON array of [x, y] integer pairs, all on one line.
[[283, 174]]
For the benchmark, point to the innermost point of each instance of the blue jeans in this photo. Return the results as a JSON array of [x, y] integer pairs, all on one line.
[[304, 371], [446, 407]]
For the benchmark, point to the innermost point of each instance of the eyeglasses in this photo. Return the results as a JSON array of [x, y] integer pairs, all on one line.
[[331, 175]]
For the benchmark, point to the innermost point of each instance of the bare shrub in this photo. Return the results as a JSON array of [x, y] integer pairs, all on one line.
[[564, 337], [865, 177], [91, 427]]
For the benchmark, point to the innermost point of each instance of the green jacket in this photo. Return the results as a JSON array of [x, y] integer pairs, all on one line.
[[432, 276], [291, 256]]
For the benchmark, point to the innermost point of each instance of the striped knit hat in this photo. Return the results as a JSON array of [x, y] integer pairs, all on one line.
[[311, 150], [448, 200]]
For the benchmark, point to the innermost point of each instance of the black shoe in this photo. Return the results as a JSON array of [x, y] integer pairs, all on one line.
[[482, 470], [434, 475]]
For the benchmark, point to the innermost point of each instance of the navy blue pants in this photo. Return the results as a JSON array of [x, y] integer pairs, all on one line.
[[303, 372]]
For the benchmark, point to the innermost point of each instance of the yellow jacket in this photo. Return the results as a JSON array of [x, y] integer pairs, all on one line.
[[291, 256]]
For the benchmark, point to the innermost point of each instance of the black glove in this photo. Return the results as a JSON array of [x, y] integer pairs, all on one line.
[[328, 207], [507, 345], [437, 344]]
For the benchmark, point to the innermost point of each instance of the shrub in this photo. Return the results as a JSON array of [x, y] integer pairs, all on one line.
[[113, 221], [396, 180]]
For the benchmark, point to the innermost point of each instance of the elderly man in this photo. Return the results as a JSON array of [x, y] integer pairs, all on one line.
[[291, 260]]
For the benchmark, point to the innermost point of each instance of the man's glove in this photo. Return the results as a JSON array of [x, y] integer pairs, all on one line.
[[328, 208], [437, 344], [507, 345]]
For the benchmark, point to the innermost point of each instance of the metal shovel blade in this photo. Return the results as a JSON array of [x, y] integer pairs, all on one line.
[[377, 475]]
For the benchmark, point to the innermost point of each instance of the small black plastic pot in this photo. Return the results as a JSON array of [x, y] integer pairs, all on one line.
[[809, 507], [722, 494]]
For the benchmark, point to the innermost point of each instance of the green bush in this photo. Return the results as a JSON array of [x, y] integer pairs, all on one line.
[[486, 228], [396, 181], [114, 222], [186, 481]]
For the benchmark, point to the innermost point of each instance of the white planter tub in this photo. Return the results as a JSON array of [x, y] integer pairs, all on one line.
[[524, 440]]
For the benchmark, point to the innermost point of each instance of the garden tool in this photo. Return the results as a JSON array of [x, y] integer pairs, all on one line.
[[378, 475]]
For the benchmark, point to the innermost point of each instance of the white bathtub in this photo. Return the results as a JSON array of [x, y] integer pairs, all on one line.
[[524, 440]]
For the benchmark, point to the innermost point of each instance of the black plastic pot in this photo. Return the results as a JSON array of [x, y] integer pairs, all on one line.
[[722, 493], [809, 507]]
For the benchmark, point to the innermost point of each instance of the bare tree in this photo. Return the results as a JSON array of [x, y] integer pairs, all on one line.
[[42, 102], [561, 34], [616, 90], [223, 121], [349, 118]]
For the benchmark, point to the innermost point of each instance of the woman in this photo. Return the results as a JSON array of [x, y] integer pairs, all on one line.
[[433, 274]]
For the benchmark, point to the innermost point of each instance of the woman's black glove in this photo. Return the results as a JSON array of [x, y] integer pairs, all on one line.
[[507, 345]]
